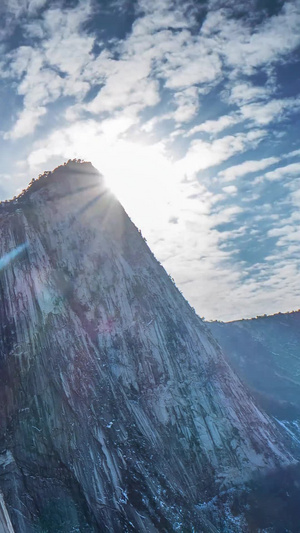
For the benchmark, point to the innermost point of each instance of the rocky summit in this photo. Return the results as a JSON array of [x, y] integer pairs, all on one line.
[[117, 410]]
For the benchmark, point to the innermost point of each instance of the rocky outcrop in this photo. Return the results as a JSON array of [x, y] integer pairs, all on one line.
[[117, 409]]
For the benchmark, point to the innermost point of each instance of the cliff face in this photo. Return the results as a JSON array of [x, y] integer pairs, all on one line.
[[265, 353], [5, 522], [117, 410]]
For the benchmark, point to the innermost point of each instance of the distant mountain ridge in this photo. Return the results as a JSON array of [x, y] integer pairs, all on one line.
[[265, 353], [117, 409]]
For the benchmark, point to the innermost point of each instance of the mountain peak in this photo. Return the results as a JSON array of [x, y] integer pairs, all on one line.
[[115, 398], [74, 171]]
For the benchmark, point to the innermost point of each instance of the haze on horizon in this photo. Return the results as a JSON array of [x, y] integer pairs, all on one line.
[[191, 112]]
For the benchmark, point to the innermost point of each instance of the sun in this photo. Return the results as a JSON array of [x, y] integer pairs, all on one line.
[[141, 176]]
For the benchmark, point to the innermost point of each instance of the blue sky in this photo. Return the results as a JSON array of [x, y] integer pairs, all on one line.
[[191, 111]]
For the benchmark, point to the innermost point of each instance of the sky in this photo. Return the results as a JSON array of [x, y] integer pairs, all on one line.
[[190, 109]]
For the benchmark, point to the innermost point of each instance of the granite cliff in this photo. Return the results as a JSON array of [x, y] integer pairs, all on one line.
[[117, 409]]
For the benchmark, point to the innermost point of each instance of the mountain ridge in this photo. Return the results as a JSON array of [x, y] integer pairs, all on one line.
[[264, 352], [257, 317]]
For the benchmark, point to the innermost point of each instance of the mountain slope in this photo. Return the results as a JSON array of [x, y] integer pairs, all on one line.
[[265, 353], [117, 409]]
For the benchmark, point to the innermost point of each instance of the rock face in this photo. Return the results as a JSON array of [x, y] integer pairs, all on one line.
[[5, 522], [265, 353], [117, 409]]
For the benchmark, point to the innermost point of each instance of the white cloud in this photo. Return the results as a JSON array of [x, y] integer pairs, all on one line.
[[160, 14], [245, 48], [214, 126], [27, 122], [53, 67], [187, 102], [245, 93], [202, 155], [274, 110], [186, 68], [287, 234], [230, 189], [127, 83], [151, 51], [295, 197], [247, 167], [35, 5], [294, 153], [282, 230], [18, 8], [281, 172], [61, 64]]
